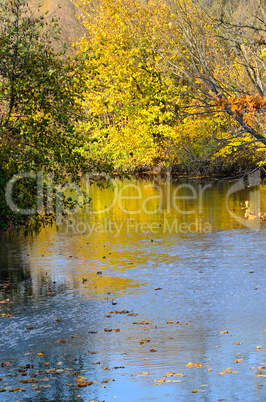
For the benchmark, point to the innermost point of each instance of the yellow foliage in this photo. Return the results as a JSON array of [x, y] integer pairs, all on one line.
[[130, 100]]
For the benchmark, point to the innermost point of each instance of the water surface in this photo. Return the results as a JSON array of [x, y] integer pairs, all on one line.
[[159, 253]]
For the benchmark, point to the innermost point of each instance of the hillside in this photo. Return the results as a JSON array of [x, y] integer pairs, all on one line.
[[67, 13]]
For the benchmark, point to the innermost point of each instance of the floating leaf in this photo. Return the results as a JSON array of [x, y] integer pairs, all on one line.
[[194, 365]]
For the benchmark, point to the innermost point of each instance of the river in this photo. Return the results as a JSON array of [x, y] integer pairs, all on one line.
[[153, 291]]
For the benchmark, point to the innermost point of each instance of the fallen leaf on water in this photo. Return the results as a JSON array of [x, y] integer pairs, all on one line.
[[187, 323], [107, 380], [158, 289], [153, 350], [144, 373], [30, 327], [143, 341], [228, 371], [141, 322], [6, 364], [237, 343], [223, 332], [210, 369], [4, 301], [84, 384], [238, 360], [119, 312], [258, 347], [40, 354], [170, 322], [194, 365], [174, 374], [61, 341], [194, 391], [111, 330], [28, 380], [58, 319], [81, 379]]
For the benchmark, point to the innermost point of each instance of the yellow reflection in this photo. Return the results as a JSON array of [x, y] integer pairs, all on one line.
[[133, 230], [105, 284]]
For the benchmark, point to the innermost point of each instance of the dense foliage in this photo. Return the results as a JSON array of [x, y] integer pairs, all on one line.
[[169, 83]]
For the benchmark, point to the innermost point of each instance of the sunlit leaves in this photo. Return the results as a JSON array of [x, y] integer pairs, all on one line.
[[129, 99]]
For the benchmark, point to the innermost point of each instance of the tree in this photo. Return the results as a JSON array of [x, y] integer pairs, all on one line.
[[161, 85], [40, 93], [130, 100], [223, 59]]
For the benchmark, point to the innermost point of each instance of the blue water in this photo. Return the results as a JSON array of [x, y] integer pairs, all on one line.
[[65, 285]]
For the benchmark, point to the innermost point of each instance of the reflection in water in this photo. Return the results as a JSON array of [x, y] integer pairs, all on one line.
[[102, 290]]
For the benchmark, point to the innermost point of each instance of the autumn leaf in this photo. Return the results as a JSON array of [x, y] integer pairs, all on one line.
[[228, 371], [84, 384], [111, 330], [142, 322], [194, 365], [6, 364]]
